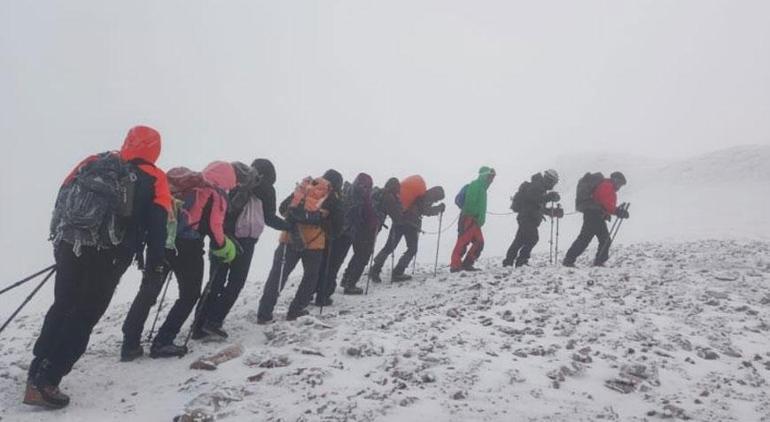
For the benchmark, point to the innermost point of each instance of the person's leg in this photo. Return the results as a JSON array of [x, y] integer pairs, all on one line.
[[340, 249], [188, 267], [218, 274], [133, 325], [70, 270], [394, 237], [477, 242], [239, 271], [362, 251], [530, 237], [513, 250], [412, 236], [311, 264], [95, 294], [581, 243], [286, 258], [463, 240], [603, 234]]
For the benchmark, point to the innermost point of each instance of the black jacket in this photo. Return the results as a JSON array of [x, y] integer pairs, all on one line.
[[424, 206], [532, 198]]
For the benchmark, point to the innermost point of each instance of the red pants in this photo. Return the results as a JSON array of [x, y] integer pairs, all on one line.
[[470, 234]]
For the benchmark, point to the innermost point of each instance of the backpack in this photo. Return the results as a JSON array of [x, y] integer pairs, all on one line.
[[460, 197], [378, 205], [516, 199], [94, 204], [182, 180], [586, 186], [310, 194]]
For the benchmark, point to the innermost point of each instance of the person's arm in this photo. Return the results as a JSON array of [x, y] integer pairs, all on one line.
[[284, 207], [157, 218], [267, 196]]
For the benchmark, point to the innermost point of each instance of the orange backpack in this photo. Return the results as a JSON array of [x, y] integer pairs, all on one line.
[[412, 188], [311, 193]]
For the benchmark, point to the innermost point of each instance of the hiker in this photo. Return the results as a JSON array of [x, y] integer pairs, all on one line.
[[251, 207], [201, 214], [337, 246], [597, 200], [94, 237], [359, 231], [416, 201], [530, 203], [472, 217], [313, 212]]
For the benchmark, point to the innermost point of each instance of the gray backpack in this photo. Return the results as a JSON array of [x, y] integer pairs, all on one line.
[[93, 207], [584, 200]]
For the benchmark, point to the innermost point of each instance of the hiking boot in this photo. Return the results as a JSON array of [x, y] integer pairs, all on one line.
[[567, 263], [292, 315], [397, 278], [199, 334], [598, 264], [470, 268], [455, 270], [352, 290], [520, 264], [375, 278], [170, 350], [130, 353], [323, 301], [45, 395], [216, 331], [507, 263]]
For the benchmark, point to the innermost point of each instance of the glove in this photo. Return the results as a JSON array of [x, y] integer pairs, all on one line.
[[621, 213], [226, 253], [441, 207], [552, 197]]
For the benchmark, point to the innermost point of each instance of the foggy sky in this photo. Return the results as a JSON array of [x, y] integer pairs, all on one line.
[[390, 87]]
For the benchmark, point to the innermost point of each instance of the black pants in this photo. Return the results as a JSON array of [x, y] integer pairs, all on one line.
[[311, 264], [187, 265], [83, 290], [363, 248], [227, 281], [526, 238], [594, 224], [330, 266], [412, 236]]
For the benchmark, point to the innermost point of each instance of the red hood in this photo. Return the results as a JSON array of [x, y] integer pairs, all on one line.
[[220, 174], [142, 142]]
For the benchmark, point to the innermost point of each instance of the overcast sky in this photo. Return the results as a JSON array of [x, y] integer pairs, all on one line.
[[393, 87]]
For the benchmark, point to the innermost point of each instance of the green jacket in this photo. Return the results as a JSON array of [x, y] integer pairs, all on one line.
[[475, 204]]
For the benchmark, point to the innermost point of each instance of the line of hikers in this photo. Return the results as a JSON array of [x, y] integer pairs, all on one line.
[[117, 207]]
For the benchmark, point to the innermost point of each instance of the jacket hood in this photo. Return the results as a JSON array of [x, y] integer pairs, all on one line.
[[334, 178], [220, 174], [487, 174], [142, 142], [392, 185], [266, 171], [364, 181], [434, 194], [245, 175]]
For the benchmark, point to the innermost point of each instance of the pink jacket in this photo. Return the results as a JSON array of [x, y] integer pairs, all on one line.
[[221, 176]]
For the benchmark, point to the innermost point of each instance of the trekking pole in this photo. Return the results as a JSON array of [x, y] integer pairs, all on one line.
[[438, 243], [31, 295], [556, 248], [199, 309], [369, 272], [19, 283], [392, 264], [614, 230], [414, 263], [325, 280], [160, 306], [550, 241]]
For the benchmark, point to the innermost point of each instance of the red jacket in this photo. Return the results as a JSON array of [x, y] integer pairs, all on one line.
[[605, 195]]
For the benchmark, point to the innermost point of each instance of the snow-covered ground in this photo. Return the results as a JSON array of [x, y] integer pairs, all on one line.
[[670, 330]]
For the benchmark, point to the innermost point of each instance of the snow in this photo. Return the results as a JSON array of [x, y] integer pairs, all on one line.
[[540, 343]]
